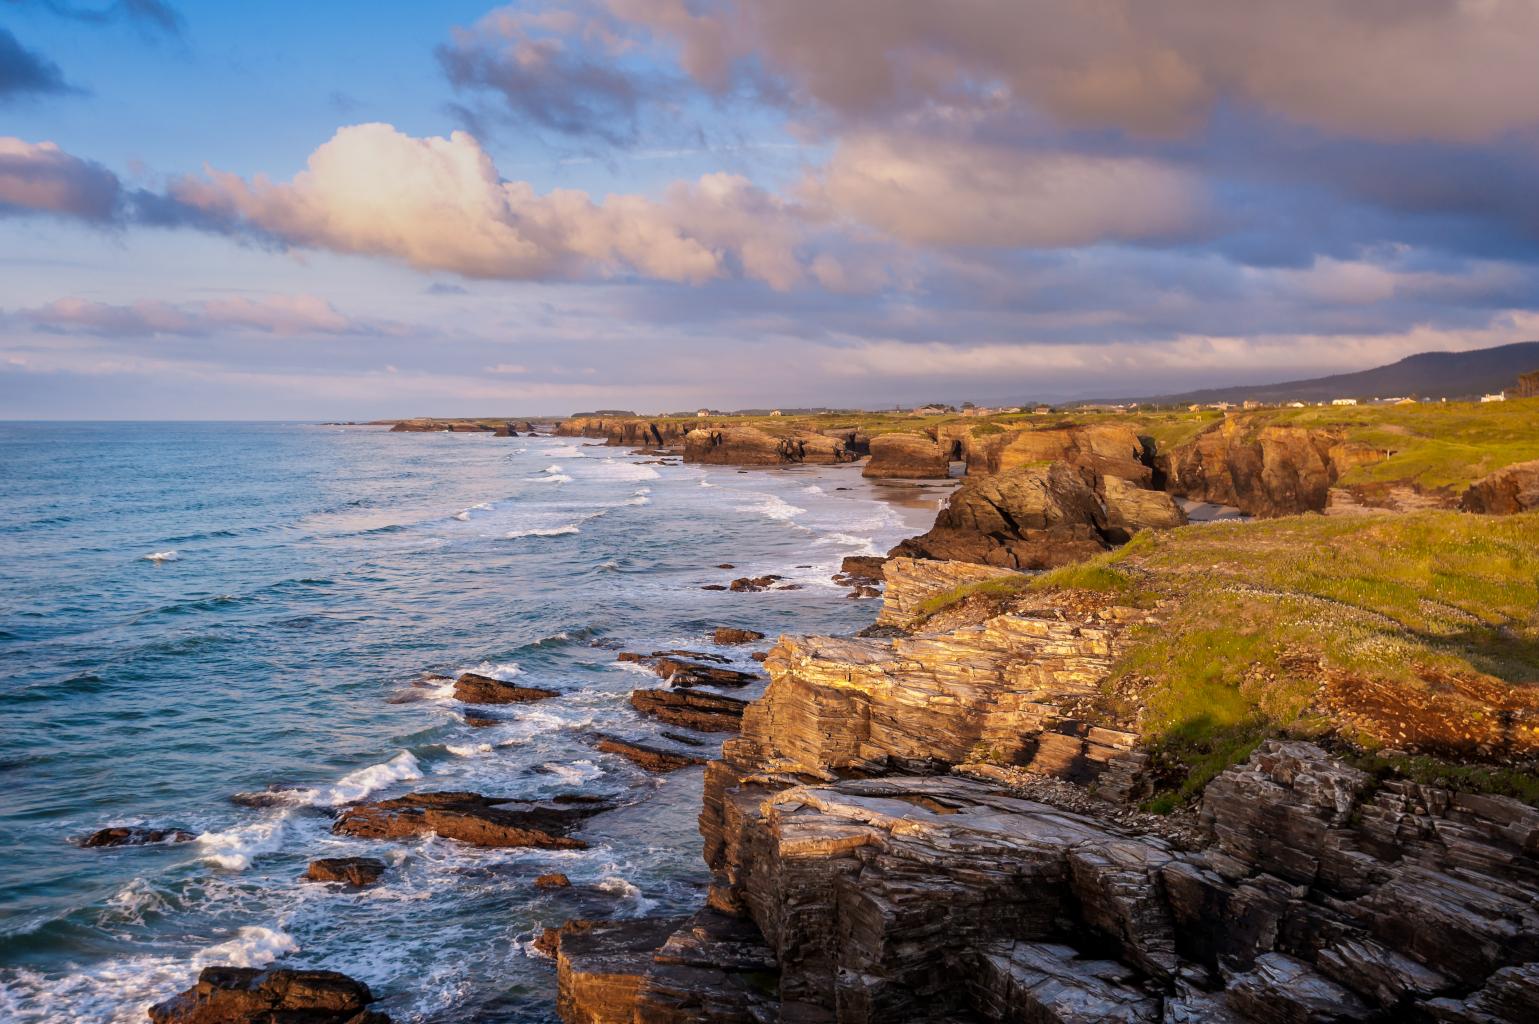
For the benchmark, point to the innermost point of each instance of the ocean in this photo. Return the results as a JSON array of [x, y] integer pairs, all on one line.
[[191, 611]]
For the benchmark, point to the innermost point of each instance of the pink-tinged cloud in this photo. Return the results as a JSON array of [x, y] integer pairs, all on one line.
[[1460, 70], [281, 315], [949, 193], [439, 204], [39, 177]]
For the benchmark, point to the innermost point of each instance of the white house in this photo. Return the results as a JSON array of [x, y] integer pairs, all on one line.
[[1343, 401], [1500, 396]]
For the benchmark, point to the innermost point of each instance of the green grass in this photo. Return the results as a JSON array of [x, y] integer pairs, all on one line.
[[999, 587], [1494, 780], [1255, 617]]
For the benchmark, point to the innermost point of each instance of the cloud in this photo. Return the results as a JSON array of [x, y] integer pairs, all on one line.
[[439, 204], [150, 15], [506, 368], [281, 315], [25, 72], [42, 178], [1386, 69], [935, 192]]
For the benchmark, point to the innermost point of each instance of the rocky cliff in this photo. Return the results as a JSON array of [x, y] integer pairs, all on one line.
[[750, 446], [907, 456]]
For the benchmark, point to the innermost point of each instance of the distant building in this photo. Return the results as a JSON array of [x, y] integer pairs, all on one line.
[[1042, 410], [702, 414], [1221, 406], [1405, 401], [1194, 407], [1251, 403], [1343, 401], [1500, 396], [1295, 405], [1528, 385], [775, 413]]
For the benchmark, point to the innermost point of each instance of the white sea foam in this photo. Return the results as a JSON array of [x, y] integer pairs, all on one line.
[[163, 556], [468, 749], [504, 670], [252, 946], [813, 489], [553, 531], [613, 469], [356, 785], [867, 545], [775, 508], [234, 849], [464, 515], [550, 478], [573, 772]]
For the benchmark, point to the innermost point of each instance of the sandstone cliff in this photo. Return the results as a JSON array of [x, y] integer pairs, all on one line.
[[750, 446], [1505, 492], [907, 456]]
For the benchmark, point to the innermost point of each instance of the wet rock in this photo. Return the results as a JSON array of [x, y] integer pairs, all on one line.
[[653, 759], [354, 871], [472, 818], [275, 795], [753, 583], [862, 568], [713, 586], [1505, 492], [728, 636], [678, 671], [691, 709], [480, 721], [906, 456], [474, 688], [132, 835], [726, 565], [553, 880], [246, 995]]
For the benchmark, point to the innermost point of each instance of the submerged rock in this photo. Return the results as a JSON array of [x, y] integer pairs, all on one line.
[[728, 636], [355, 871], [653, 759], [247, 995], [678, 671], [474, 688], [691, 709], [132, 835], [753, 583], [553, 880], [472, 818]]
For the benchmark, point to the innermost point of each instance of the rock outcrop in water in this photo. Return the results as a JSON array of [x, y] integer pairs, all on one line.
[[246, 995], [700, 710], [355, 871], [1506, 492], [474, 688], [472, 818], [907, 457], [133, 835]]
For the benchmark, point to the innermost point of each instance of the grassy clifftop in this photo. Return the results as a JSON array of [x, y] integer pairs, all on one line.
[[1414, 639]]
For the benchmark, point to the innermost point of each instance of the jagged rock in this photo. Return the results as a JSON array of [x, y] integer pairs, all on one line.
[[1032, 981], [911, 582], [1095, 450], [1130, 508], [473, 688], [691, 709], [246, 995], [714, 969], [652, 759], [1027, 517], [862, 568], [553, 880], [1280, 989], [354, 871], [750, 584], [750, 446], [1509, 996], [728, 636], [906, 456], [1505, 492], [600, 966], [1270, 471], [471, 818], [132, 835], [680, 672]]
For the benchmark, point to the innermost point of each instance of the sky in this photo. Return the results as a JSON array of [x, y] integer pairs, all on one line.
[[358, 210]]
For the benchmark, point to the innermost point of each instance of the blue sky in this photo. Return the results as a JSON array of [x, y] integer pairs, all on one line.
[[352, 210]]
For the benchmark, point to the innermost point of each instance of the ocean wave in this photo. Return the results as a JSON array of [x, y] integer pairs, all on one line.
[[234, 849], [550, 478], [464, 514], [574, 772], [356, 785], [162, 556], [866, 545], [614, 469], [252, 946], [553, 531], [774, 507], [504, 670], [468, 749]]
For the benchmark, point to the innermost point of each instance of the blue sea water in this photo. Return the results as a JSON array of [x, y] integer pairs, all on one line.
[[190, 611]]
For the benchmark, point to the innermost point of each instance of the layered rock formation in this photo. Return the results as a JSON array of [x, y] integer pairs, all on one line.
[[750, 446], [1098, 450], [1505, 492], [472, 818], [1270, 471], [474, 688], [245, 995], [906, 456], [1039, 517]]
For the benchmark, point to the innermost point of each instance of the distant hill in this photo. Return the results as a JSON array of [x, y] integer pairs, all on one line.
[[1450, 375]]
